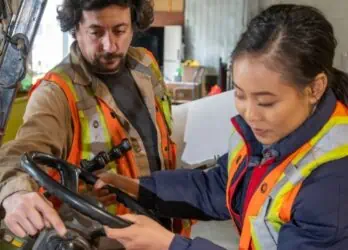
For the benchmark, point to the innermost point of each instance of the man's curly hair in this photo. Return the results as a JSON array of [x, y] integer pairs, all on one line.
[[70, 12]]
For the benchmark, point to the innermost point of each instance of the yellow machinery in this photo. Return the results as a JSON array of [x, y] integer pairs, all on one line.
[[16, 118]]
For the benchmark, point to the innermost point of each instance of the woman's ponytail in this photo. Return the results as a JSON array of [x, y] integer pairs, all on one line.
[[339, 85]]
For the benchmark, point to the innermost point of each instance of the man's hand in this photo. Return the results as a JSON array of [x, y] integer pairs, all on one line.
[[28, 213], [144, 234]]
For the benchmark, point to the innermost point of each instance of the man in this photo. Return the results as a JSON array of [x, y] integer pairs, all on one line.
[[103, 92]]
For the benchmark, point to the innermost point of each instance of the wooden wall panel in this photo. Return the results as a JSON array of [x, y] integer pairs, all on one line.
[[168, 18]]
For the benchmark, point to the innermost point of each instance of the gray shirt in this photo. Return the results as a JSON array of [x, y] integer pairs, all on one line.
[[128, 98]]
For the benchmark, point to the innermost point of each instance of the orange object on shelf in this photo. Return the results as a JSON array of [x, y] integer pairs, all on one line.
[[215, 90]]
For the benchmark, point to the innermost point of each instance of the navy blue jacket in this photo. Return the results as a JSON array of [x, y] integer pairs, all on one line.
[[319, 214]]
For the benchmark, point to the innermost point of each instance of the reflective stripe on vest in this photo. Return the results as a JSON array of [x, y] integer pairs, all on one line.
[[264, 220], [238, 151], [95, 136], [162, 97]]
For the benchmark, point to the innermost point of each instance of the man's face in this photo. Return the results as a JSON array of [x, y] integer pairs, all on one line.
[[104, 37]]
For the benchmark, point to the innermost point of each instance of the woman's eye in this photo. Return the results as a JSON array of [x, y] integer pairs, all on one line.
[[266, 104], [239, 96]]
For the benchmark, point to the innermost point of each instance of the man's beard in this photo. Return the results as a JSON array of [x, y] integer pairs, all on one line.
[[101, 67]]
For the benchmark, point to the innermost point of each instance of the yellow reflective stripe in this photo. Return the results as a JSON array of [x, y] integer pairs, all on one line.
[[85, 137], [67, 80], [162, 95], [331, 123], [156, 70], [165, 107], [165, 102], [237, 149], [254, 237], [89, 134], [273, 214], [300, 156], [105, 129], [327, 127], [335, 154], [234, 153], [236, 144]]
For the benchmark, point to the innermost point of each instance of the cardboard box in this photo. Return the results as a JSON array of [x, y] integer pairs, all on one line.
[[190, 73], [184, 91], [169, 5]]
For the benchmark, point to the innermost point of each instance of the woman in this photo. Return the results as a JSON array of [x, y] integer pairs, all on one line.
[[285, 183]]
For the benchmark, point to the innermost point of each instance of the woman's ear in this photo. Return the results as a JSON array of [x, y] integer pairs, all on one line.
[[317, 88]]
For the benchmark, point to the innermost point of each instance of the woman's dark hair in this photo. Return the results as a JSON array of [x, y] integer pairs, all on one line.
[[70, 12], [297, 41]]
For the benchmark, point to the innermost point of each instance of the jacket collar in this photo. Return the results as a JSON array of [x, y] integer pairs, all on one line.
[[296, 139], [82, 73]]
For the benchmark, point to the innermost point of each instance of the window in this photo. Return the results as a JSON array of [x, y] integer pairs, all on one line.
[[47, 48]]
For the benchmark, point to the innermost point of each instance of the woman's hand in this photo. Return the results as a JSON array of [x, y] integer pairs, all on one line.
[[105, 197], [128, 185], [107, 178], [144, 234]]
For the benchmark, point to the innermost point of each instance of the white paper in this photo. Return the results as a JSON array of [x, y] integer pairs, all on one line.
[[208, 128]]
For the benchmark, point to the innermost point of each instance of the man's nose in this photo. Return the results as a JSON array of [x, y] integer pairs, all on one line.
[[109, 44]]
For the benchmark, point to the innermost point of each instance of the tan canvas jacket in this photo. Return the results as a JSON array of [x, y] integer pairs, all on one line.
[[48, 128]]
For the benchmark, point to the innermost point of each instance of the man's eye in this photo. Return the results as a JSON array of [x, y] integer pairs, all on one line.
[[95, 33], [120, 32]]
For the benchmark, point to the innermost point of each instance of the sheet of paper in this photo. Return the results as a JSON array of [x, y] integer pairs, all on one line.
[[208, 128]]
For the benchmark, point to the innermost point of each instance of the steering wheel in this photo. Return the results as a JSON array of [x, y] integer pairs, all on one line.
[[67, 189]]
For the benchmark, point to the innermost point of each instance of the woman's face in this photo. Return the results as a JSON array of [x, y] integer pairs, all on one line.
[[271, 106]]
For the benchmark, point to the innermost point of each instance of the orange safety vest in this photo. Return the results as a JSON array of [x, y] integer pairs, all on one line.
[[125, 165], [271, 204]]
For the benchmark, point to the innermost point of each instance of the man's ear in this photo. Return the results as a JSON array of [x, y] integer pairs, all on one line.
[[317, 88]]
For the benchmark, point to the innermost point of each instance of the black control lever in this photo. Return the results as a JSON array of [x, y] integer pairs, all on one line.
[[99, 162], [103, 158]]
